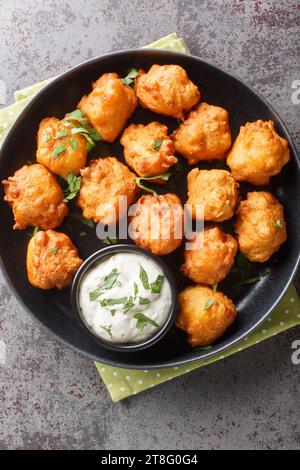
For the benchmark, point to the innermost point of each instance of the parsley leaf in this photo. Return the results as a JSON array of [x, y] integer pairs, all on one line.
[[157, 144], [143, 320], [54, 251], [73, 186], [157, 284], [143, 301], [136, 290], [84, 128], [162, 176], [131, 75], [108, 284], [278, 224], [209, 303], [110, 241], [144, 278], [129, 304], [47, 136], [61, 134], [73, 144], [60, 149], [108, 330], [108, 302]]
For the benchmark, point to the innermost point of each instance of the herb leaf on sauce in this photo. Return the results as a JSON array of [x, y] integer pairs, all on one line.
[[157, 284], [109, 302], [61, 134], [108, 284], [143, 320], [107, 330], [143, 301], [129, 304], [136, 290], [278, 224], [144, 278]]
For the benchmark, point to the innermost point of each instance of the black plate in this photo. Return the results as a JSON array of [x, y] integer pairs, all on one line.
[[52, 308]]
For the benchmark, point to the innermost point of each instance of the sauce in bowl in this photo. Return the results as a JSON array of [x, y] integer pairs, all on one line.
[[125, 298]]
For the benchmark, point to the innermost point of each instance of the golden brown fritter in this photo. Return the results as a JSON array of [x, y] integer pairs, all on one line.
[[166, 89], [148, 149], [60, 150], [157, 224], [52, 260], [258, 153], [204, 314], [205, 135], [210, 256], [36, 198], [109, 105], [260, 226], [215, 191], [103, 183]]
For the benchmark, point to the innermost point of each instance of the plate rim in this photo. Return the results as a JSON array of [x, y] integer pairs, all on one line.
[[201, 355]]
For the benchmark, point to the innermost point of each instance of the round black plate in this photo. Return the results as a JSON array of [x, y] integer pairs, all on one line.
[[52, 308]]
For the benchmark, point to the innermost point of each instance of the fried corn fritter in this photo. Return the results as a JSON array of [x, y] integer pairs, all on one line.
[[260, 226], [103, 183], [157, 224], [204, 314], [205, 135], [148, 149], [60, 150], [52, 260], [258, 153], [166, 89], [109, 105], [210, 256], [215, 191], [36, 198]]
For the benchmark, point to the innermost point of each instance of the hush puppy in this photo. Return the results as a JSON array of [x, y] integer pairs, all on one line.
[[205, 135], [258, 153], [204, 314], [52, 260], [215, 191], [260, 226], [166, 89], [109, 105], [36, 198], [210, 256], [60, 150], [157, 224], [107, 189], [148, 149]]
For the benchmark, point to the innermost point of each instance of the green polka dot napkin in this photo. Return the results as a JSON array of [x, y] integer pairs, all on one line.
[[122, 383]]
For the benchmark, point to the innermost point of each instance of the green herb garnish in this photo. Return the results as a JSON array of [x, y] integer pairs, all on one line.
[[203, 348], [60, 149], [251, 280], [131, 75], [34, 231], [108, 330], [144, 278], [47, 136], [163, 176], [61, 134], [143, 301], [157, 284], [157, 144], [113, 312], [209, 303], [143, 320], [278, 224], [129, 304], [84, 128], [54, 251], [73, 187], [110, 302], [215, 287], [88, 223], [73, 144], [136, 290], [108, 284], [110, 241]]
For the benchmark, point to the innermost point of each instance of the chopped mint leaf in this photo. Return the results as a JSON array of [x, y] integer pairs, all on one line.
[[157, 284]]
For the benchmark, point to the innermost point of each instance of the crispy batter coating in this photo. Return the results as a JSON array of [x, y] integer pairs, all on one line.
[[258, 153], [36, 198], [205, 135], [109, 105], [166, 89], [71, 159], [210, 256], [103, 183], [148, 149], [260, 226], [157, 225], [204, 314], [52, 260], [215, 191]]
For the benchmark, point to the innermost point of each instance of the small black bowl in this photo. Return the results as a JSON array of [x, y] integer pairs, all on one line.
[[104, 253]]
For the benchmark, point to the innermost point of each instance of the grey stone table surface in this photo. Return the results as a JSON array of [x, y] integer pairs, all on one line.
[[52, 398]]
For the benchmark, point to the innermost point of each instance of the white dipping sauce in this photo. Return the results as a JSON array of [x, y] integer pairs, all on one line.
[[117, 302]]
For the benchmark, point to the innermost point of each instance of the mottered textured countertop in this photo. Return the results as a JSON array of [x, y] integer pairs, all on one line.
[[51, 397]]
